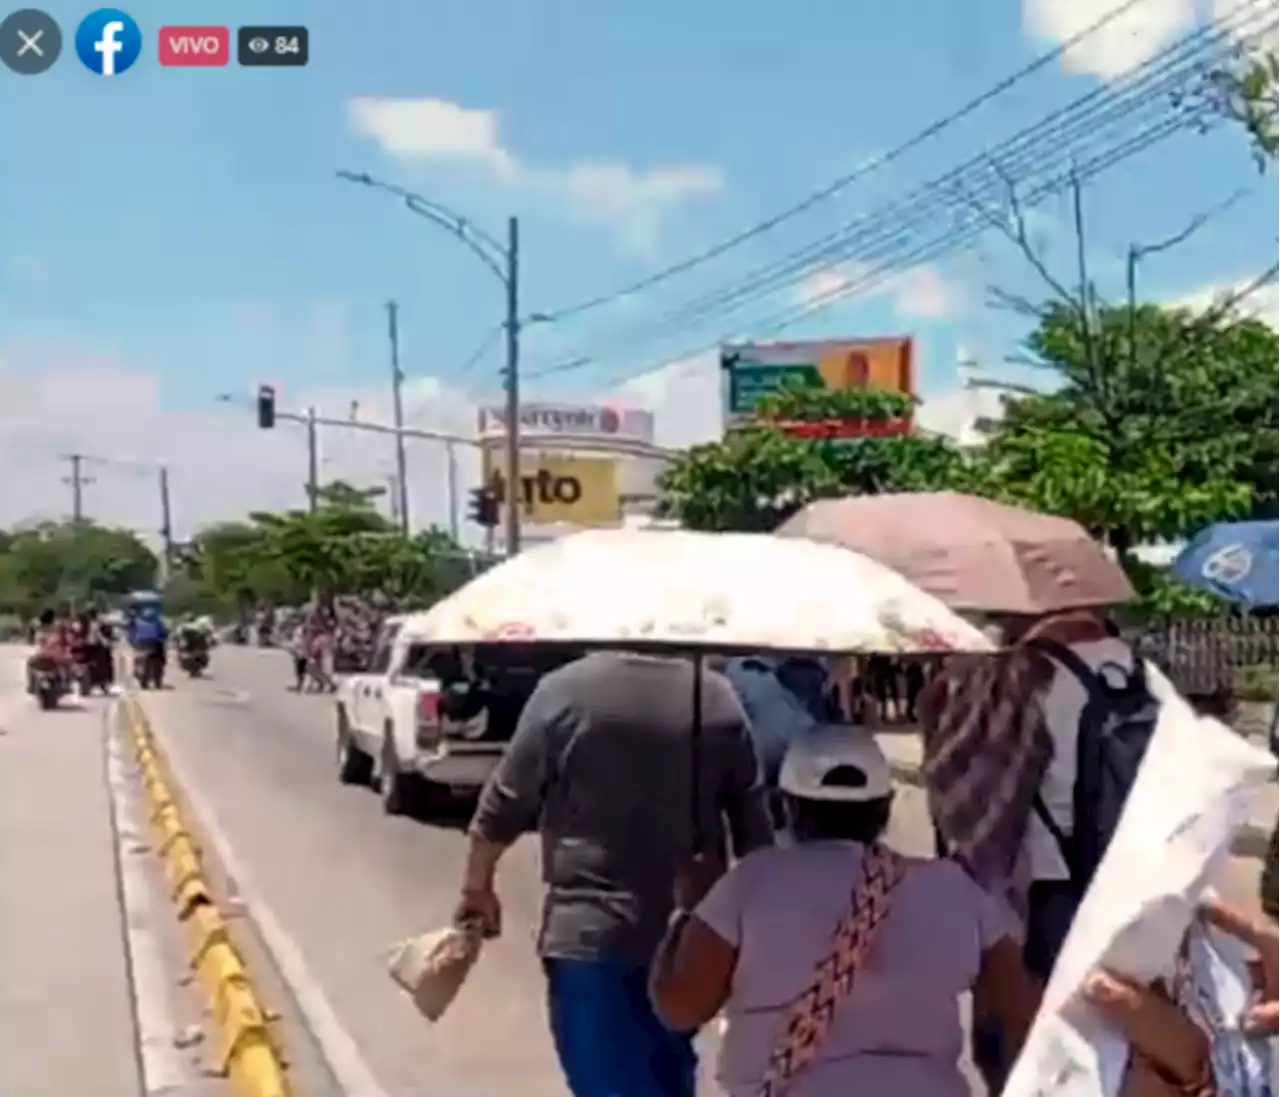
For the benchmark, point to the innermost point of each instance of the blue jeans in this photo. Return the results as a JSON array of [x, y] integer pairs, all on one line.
[[608, 1038]]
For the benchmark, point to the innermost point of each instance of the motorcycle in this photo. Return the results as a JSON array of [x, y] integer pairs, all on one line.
[[194, 659], [93, 671], [148, 666], [47, 682]]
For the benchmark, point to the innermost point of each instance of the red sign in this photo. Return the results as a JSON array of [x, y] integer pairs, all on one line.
[[846, 428]]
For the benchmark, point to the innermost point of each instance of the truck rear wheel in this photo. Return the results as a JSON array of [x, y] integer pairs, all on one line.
[[355, 767], [395, 786]]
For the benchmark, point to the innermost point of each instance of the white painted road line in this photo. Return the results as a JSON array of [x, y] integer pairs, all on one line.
[[339, 1050]]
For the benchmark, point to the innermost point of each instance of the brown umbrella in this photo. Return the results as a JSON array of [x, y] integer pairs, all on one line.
[[969, 552]]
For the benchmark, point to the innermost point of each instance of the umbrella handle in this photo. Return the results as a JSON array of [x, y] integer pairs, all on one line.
[[695, 760]]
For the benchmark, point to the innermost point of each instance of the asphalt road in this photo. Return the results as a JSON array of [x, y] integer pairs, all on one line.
[[344, 882]]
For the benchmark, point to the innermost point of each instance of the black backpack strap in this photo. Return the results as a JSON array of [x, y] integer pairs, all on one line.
[[1060, 653], [1060, 837]]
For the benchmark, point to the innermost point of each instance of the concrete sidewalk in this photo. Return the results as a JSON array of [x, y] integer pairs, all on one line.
[[66, 1004]]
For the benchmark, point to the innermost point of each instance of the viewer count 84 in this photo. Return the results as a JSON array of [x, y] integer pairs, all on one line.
[[273, 45]]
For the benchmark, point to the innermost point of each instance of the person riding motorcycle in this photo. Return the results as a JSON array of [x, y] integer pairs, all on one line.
[[147, 633], [53, 644], [193, 637], [92, 652]]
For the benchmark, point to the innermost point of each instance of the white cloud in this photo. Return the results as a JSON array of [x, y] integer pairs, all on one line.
[[636, 203], [1262, 303], [1132, 38], [921, 293], [431, 128], [222, 466]]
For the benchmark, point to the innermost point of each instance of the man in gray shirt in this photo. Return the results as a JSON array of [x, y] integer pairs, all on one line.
[[601, 763]]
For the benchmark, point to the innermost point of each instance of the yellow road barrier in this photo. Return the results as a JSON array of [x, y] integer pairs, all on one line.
[[246, 1052]]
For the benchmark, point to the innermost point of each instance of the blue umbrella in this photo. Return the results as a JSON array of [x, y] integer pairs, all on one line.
[[1236, 560]]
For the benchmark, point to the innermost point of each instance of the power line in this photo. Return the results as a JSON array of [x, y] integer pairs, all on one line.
[[483, 348], [928, 252], [844, 181], [1036, 145]]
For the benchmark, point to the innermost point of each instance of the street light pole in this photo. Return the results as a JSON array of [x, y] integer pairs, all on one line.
[[511, 386], [397, 400], [504, 262]]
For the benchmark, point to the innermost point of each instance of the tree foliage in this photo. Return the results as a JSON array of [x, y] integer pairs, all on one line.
[[759, 475], [1244, 91], [1161, 422], [71, 562], [344, 546]]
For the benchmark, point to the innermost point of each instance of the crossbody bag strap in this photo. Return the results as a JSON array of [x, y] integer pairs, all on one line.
[[811, 1014]]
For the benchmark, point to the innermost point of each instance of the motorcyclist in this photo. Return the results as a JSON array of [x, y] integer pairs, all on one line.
[[53, 644], [147, 633], [193, 637], [95, 650]]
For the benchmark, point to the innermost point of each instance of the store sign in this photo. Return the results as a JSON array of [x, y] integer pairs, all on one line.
[[580, 491], [572, 421]]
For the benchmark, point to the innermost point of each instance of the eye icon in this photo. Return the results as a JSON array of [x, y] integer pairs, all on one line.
[[259, 45]]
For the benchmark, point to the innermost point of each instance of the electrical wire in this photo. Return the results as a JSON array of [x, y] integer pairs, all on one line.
[[1033, 146], [843, 182], [483, 348], [1159, 80], [874, 279]]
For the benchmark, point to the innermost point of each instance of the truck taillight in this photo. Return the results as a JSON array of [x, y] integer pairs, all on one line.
[[428, 729]]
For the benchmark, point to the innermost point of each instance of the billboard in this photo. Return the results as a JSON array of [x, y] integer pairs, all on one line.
[[580, 491], [753, 370], [566, 421]]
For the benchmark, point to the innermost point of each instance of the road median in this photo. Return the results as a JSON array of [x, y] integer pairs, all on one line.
[[246, 1052]]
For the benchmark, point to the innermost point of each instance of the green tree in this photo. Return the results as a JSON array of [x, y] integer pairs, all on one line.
[[760, 474], [344, 546], [1244, 91], [1162, 422], [73, 562]]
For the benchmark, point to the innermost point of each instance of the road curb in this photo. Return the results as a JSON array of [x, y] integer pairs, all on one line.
[[247, 1054], [1250, 841]]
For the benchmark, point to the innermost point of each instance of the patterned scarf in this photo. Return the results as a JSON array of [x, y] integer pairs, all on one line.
[[986, 746]]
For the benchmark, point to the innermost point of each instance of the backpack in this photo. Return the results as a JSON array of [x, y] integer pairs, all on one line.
[[148, 630], [1116, 725], [1115, 728]]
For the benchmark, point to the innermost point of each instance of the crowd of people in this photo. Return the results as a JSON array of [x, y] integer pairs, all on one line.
[[836, 964], [332, 638]]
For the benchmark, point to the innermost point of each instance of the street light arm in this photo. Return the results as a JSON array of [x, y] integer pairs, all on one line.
[[482, 245]]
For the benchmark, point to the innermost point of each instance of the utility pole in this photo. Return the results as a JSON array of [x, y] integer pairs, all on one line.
[[313, 462], [77, 480], [451, 457], [166, 522], [397, 404], [393, 493], [511, 384]]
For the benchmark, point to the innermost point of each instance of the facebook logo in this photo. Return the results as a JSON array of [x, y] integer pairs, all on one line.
[[108, 42]]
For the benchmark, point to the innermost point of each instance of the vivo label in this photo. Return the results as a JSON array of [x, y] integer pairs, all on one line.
[[195, 46]]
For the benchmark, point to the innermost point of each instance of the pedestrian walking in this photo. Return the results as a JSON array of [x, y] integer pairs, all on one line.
[[601, 765], [836, 914]]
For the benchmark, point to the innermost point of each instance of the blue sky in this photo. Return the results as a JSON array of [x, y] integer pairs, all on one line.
[[185, 225]]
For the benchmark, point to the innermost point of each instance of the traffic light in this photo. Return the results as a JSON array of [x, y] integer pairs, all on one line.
[[484, 507], [266, 406]]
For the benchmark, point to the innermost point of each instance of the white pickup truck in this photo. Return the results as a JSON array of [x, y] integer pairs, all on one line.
[[391, 733]]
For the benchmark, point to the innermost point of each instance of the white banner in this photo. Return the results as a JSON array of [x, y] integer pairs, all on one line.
[[1191, 796]]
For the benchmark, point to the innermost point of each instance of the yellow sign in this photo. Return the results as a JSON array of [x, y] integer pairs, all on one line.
[[582, 491]]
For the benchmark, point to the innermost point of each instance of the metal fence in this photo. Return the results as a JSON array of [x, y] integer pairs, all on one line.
[[1204, 657]]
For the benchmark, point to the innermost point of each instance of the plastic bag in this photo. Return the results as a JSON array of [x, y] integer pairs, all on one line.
[[433, 967], [1215, 988], [1191, 796]]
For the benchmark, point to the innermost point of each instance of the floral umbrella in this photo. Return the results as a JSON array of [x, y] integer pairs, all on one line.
[[696, 592]]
